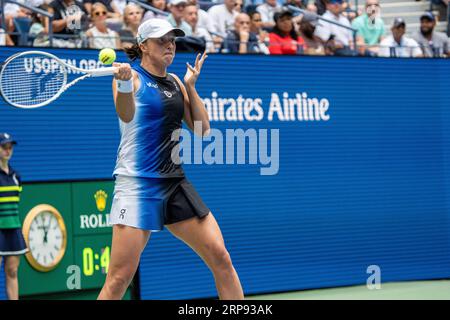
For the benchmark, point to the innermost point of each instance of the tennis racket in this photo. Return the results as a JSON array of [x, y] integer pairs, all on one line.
[[33, 79]]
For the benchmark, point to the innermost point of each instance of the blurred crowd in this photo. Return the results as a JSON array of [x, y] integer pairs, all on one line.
[[308, 27]]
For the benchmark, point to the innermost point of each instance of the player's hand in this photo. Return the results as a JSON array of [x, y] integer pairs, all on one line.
[[192, 73], [123, 71]]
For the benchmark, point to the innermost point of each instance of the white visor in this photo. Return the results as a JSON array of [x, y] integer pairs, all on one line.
[[156, 28]]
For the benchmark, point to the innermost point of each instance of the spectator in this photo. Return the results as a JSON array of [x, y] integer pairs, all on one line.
[[11, 11], [432, 43], [307, 26], [191, 16], [238, 5], [222, 17], [111, 8], [369, 25], [69, 19], [338, 39], [398, 45], [256, 27], [5, 39], [100, 36], [267, 10], [176, 16], [283, 38], [39, 28], [157, 4], [203, 17], [132, 17], [241, 40]]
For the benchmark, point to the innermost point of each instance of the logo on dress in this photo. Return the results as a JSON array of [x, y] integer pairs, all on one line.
[[168, 94], [152, 85]]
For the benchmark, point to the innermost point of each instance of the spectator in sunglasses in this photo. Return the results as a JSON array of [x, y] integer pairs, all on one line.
[[238, 4], [100, 36], [111, 8]]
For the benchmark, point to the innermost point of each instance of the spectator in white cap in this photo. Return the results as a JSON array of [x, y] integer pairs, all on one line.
[[176, 16], [399, 45]]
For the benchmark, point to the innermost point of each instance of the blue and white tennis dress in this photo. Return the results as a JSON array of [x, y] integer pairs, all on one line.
[[150, 189]]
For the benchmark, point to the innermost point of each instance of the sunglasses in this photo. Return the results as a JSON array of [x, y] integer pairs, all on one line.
[[6, 147], [100, 13]]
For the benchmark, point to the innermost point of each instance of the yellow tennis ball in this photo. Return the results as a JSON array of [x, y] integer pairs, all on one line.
[[107, 56]]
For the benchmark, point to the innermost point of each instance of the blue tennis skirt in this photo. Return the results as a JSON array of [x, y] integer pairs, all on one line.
[[12, 242], [151, 203]]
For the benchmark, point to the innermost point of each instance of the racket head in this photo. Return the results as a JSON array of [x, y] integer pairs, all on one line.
[[32, 79]]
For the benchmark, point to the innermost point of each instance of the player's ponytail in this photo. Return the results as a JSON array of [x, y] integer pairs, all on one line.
[[133, 52]]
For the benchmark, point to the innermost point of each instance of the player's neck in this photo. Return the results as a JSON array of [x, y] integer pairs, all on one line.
[[157, 70]]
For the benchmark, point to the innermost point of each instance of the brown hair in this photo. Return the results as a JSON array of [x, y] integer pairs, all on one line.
[[97, 5], [133, 52]]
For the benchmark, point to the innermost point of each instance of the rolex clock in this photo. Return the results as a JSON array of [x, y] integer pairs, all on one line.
[[46, 237]]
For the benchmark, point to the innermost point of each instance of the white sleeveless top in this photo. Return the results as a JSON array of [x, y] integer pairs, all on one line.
[[102, 40]]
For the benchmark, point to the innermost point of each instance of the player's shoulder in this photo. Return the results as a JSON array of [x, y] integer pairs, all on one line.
[[176, 78]]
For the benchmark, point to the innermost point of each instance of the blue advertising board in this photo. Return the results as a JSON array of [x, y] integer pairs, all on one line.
[[345, 167]]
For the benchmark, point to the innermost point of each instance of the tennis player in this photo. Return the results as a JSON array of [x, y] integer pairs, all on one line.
[[151, 190], [12, 244]]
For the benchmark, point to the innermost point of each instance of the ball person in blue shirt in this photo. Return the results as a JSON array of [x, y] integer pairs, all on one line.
[[151, 191]]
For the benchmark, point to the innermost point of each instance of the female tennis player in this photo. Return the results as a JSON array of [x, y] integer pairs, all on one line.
[[150, 188]]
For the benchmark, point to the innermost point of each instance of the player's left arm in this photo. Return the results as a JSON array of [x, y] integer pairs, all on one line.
[[194, 108]]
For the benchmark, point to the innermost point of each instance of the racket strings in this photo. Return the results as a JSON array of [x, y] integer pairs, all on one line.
[[32, 79]]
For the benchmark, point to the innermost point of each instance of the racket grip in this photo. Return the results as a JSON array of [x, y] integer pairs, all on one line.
[[102, 72]]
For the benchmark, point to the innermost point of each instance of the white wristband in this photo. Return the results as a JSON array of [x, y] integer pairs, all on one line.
[[125, 86]]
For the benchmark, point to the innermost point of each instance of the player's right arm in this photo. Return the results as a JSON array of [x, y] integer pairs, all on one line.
[[125, 105]]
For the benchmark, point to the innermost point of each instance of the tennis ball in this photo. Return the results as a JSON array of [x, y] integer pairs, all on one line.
[[107, 56]]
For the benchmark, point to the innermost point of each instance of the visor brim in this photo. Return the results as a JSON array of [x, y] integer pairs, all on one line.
[[178, 33]]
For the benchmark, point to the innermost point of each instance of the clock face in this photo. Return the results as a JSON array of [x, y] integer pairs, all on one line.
[[45, 234]]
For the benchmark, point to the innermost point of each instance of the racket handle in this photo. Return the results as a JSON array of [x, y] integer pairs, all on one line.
[[102, 72]]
